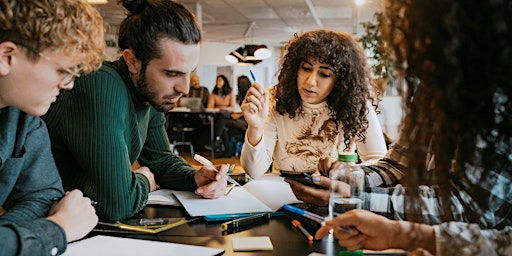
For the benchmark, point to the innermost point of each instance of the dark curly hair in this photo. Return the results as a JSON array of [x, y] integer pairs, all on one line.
[[347, 101], [456, 57]]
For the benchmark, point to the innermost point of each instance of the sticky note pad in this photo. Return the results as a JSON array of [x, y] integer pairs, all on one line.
[[252, 243]]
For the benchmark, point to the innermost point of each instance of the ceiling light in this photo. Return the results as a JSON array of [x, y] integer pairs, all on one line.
[[359, 2], [249, 54], [262, 53], [231, 59]]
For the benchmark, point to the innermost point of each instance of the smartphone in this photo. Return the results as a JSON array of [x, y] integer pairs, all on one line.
[[302, 177]]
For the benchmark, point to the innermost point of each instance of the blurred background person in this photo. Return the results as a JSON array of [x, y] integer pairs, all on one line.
[[236, 125], [198, 91], [222, 99]]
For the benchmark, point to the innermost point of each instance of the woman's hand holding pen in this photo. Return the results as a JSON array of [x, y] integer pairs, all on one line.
[[255, 110], [211, 184], [375, 232], [75, 214]]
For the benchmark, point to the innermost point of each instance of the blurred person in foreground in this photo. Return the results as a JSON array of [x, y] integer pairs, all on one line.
[[453, 160], [44, 46], [115, 116]]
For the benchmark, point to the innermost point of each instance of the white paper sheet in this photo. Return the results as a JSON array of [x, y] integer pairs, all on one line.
[[107, 245], [162, 197], [262, 195], [272, 191]]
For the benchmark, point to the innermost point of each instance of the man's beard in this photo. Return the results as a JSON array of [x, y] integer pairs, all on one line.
[[144, 88]]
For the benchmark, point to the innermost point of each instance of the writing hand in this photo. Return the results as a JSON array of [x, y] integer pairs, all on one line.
[[211, 184]]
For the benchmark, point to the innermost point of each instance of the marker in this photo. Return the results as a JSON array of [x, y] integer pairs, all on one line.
[[311, 216], [298, 225], [56, 199], [210, 165], [252, 75], [304, 213], [237, 223], [371, 253]]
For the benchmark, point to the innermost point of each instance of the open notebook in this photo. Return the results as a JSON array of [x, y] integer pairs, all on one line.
[[266, 194]]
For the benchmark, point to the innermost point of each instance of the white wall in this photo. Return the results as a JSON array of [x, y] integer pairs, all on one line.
[[391, 115]]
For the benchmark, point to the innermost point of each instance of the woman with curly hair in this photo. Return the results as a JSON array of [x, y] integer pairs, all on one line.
[[453, 159], [321, 106]]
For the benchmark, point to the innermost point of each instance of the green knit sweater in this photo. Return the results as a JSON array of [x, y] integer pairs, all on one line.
[[99, 129]]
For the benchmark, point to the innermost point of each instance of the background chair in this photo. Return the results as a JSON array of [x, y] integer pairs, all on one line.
[[179, 130]]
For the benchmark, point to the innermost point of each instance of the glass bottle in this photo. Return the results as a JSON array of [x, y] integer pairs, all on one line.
[[347, 185]]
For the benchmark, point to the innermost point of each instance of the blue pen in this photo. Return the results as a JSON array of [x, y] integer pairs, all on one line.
[[252, 76], [310, 215], [304, 213]]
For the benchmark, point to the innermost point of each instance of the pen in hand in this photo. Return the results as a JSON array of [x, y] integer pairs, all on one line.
[[252, 75], [210, 165], [56, 199]]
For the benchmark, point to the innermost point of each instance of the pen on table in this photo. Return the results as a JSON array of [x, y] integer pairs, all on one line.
[[252, 75], [56, 199], [251, 219], [298, 225], [311, 216], [210, 165]]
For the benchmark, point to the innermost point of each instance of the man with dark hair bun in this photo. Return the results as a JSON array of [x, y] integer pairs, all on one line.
[[115, 118]]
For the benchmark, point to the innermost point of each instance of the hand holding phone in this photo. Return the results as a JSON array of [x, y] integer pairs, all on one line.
[[302, 177]]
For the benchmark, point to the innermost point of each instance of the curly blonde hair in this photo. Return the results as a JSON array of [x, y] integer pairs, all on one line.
[[72, 27]]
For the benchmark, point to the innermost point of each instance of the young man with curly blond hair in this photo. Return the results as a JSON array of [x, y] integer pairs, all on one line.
[[44, 46]]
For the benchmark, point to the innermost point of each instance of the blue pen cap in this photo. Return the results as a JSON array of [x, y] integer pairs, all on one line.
[[351, 253]]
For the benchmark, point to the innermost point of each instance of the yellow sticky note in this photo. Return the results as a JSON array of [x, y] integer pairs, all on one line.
[[252, 243]]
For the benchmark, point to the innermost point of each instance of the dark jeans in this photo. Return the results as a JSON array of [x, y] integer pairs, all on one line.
[[235, 128]]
